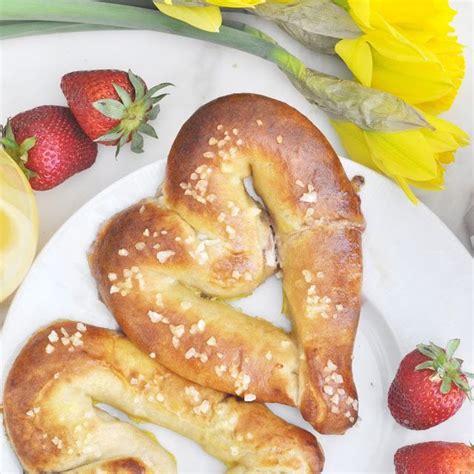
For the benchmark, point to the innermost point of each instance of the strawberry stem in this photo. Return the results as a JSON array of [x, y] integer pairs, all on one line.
[[133, 113], [446, 367]]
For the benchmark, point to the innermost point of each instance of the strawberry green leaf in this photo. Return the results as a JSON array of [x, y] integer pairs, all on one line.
[[123, 94], [153, 113], [109, 137], [123, 139], [445, 386], [426, 351], [137, 143], [27, 145], [155, 100], [137, 84], [110, 108], [158, 87], [425, 365], [451, 347], [147, 129], [8, 143], [9, 131]]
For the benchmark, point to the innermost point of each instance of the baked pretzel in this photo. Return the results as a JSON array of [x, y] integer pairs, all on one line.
[[163, 265], [66, 368]]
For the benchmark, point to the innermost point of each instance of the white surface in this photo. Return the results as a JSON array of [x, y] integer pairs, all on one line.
[[32, 69], [417, 288]]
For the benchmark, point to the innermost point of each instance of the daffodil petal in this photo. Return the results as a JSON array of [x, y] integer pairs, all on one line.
[[442, 125], [402, 182], [414, 82], [360, 11], [390, 47], [432, 15], [358, 58], [406, 154], [446, 158], [204, 18], [435, 184], [353, 140]]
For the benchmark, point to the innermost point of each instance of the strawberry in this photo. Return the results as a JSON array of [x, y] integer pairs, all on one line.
[[429, 386], [48, 145], [435, 457], [112, 107]]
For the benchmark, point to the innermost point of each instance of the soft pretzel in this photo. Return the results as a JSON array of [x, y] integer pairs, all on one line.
[[163, 265], [53, 424]]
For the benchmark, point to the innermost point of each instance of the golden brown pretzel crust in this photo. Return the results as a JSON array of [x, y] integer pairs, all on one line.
[[53, 425], [317, 221]]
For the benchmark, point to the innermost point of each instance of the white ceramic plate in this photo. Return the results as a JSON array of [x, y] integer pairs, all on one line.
[[416, 288]]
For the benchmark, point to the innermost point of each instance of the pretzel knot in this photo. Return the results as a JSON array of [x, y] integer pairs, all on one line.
[[68, 367], [165, 266]]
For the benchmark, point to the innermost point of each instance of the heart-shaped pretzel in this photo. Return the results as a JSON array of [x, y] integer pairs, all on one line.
[[68, 367], [163, 265]]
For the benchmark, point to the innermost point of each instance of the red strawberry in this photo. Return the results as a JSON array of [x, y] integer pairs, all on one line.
[[435, 457], [112, 107], [49, 145], [429, 387]]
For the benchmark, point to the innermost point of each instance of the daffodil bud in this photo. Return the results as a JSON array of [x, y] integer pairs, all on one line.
[[318, 24], [368, 108]]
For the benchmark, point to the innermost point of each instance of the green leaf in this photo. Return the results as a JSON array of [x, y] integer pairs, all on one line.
[[27, 145], [9, 131], [426, 350], [109, 137], [147, 129], [153, 113], [137, 84], [446, 386], [462, 384], [113, 134], [155, 100], [425, 365], [123, 140], [110, 108], [8, 143], [123, 94], [117, 150], [451, 347], [137, 143], [158, 87]]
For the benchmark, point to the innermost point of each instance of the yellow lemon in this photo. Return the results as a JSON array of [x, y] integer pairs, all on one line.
[[18, 225]]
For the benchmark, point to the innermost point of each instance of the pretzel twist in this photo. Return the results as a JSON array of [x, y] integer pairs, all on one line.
[[66, 368], [163, 265]]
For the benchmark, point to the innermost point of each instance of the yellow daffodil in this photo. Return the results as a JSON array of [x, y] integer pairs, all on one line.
[[204, 14], [407, 48], [412, 157]]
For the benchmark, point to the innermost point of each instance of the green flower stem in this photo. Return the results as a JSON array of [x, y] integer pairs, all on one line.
[[124, 16], [17, 29], [343, 99]]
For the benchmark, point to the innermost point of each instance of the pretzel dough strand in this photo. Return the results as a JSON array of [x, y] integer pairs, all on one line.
[[52, 421]]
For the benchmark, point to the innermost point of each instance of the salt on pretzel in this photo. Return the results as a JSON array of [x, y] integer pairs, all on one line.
[[53, 424], [163, 265]]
